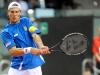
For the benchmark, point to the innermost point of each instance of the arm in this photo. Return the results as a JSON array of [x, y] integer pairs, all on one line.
[[16, 51], [21, 51], [13, 51], [39, 42], [34, 32]]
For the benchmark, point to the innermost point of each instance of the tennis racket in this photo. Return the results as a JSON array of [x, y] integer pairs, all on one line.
[[72, 44]]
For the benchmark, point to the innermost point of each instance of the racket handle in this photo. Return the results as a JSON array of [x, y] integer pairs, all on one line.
[[52, 50], [56, 51]]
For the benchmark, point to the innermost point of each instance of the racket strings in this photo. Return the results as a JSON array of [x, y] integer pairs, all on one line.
[[74, 44]]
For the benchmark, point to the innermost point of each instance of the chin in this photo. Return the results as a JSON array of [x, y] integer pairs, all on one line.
[[15, 21]]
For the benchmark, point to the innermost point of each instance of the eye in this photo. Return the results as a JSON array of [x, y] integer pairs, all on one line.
[[16, 11], [12, 11]]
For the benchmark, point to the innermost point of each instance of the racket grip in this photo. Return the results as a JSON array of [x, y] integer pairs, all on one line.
[[50, 49], [55, 50]]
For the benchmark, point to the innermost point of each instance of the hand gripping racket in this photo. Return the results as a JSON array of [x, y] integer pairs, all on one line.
[[72, 44]]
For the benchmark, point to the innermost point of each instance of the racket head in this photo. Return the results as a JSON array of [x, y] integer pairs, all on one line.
[[74, 44]]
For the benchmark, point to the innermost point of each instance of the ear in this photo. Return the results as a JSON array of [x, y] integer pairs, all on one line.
[[7, 13], [20, 13]]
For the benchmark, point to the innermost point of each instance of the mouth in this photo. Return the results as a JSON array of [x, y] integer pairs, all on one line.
[[14, 17]]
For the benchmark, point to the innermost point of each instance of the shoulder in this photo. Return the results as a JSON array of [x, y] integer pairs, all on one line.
[[5, 30], [5, 33], [24, 19]]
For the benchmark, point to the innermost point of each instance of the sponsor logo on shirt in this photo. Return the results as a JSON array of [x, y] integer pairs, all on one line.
[[16, 35], [25, 28], [8, 43]]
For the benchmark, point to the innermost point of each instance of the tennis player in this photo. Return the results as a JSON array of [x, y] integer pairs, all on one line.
[[23, 42]]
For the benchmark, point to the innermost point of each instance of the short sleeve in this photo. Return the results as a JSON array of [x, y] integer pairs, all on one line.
[[7, 40]]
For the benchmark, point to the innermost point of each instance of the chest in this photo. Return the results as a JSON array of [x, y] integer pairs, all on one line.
[[19, 32]]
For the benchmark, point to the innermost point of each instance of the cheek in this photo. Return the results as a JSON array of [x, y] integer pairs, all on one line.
[[17, 17], [19, 14], [10, 15]]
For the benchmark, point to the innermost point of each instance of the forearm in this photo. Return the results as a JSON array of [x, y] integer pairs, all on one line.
[[21, 51], [16, 51], [38, 40]]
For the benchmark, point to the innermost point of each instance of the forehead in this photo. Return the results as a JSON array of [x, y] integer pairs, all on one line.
[[14, 9]]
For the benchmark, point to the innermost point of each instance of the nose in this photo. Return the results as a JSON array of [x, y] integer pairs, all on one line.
[[14, 13]]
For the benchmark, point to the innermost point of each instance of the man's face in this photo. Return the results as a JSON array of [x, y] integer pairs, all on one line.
[[14, 15]]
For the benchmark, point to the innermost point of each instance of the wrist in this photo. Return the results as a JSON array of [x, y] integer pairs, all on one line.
[[27, 50]]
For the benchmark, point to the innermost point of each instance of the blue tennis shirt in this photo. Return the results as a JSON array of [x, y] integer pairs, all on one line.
[[18, 35]]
